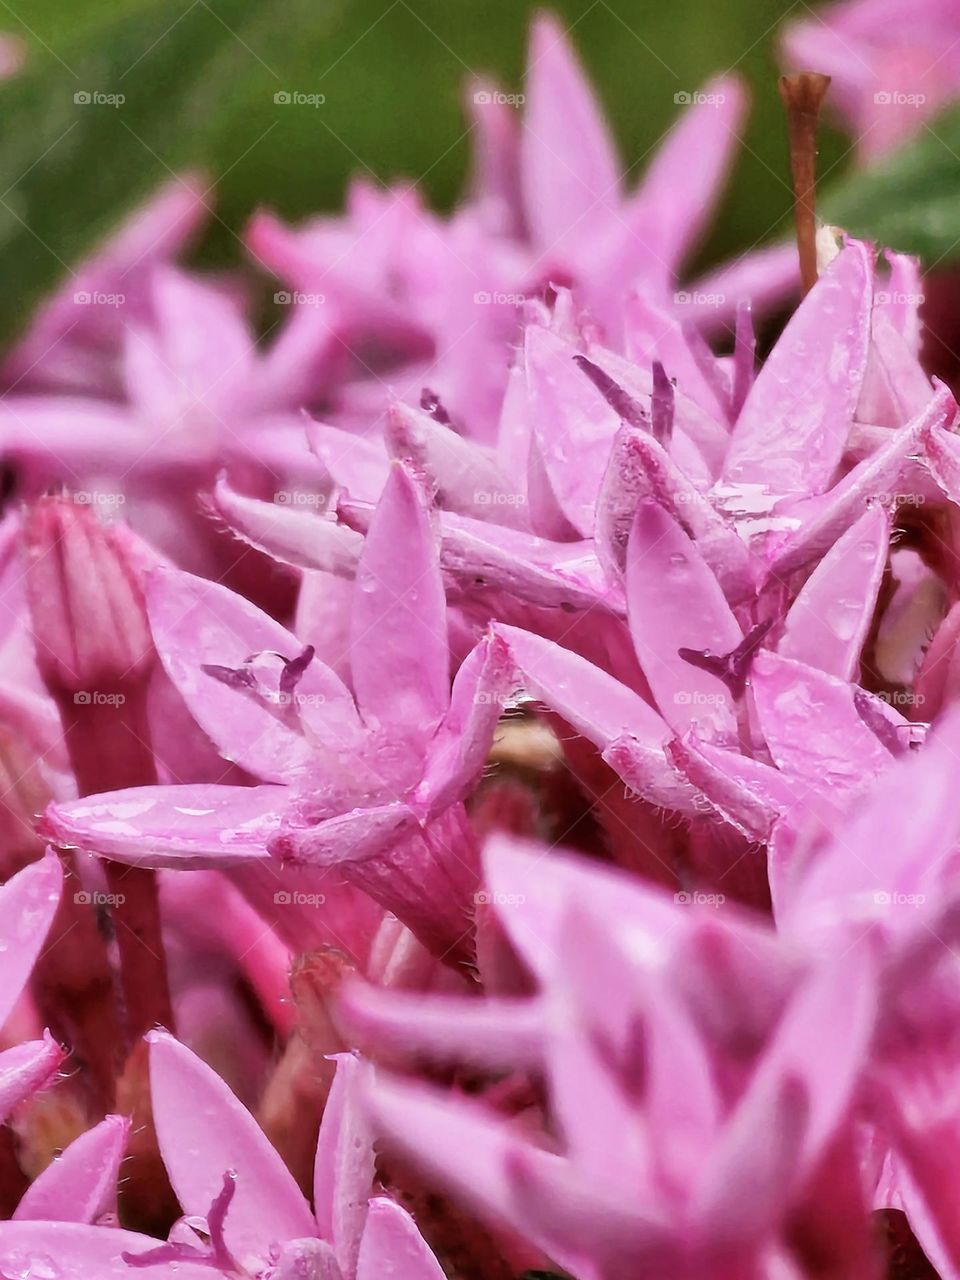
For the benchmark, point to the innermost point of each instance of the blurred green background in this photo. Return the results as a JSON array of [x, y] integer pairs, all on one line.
[[199, 78]]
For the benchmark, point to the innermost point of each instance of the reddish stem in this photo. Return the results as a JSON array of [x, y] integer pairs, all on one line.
[[803, 95], [108, 741]]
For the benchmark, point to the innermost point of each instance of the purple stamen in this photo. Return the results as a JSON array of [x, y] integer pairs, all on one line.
[[618, 399], [662, 405], [732, 668]]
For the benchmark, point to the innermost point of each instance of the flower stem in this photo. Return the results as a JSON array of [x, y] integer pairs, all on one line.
[[803, 95]]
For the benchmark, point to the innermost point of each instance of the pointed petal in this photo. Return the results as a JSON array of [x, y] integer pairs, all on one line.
[[829, 620], [458, 752], [300, 538], [593, 702], [464, 474], [25, 1068], [654, 333], [28, 904], [199, 826], [196, 623], [392, 1245], [797, 1098], [573, 424], [880, 867], [400, 657], [639, 469], [569, 169], [694, 159], [344, 1168], [75, 1251], [674, 602], [432, 1130], [534, 893], [811, 725], [204, 1132], [792, 442], [821, 521], [492, 1034], [81, 1184]]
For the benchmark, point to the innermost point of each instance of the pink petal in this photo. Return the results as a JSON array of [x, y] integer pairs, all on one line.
[[75, 1251], [399, 656], [794, 1104], [204, 1132], [767, 277], [197, 623], [175, 826], [393, 1246], [465, 476], [694, 159], [894, 845], [28, 904], [534, 894], [435, 1132], [640, 468], [811, 725], [574, 425], [458, 752], [81, 1184], [654, 333], [791, 442], [356, 463], [492, 1034], [26, 1068], [674, 602], [300, 538], [822, 520], [569, 169], [344, 1169], [593, 702], [828, 622]]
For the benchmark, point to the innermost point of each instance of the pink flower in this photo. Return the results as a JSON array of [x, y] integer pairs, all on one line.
[[368, 783], [893, 66], [244, 1214]]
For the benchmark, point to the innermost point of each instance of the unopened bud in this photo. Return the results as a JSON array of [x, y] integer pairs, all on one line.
[[87, 609]]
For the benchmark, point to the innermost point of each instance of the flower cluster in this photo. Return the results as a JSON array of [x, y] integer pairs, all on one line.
[[477, 764]]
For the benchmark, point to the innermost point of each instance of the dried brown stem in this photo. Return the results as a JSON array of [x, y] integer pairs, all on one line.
[[803, 94]]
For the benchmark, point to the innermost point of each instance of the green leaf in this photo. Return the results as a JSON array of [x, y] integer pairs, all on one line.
[[911, 200]]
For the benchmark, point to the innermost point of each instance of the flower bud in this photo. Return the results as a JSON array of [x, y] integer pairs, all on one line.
[[87, 610]]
